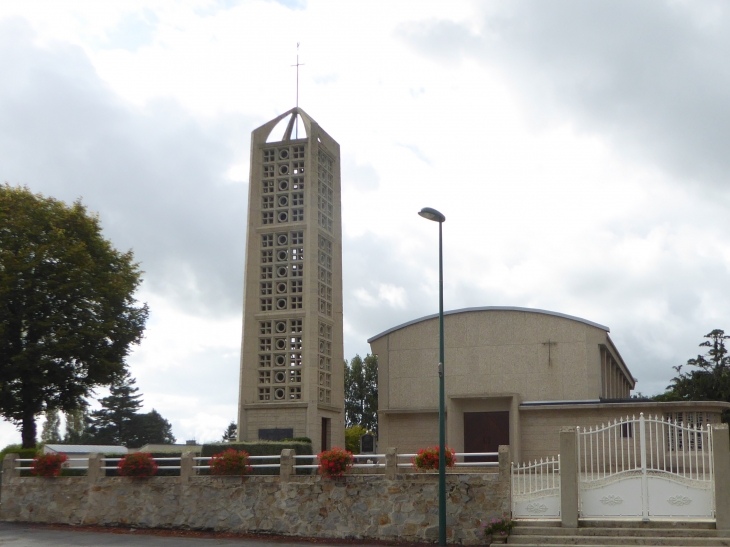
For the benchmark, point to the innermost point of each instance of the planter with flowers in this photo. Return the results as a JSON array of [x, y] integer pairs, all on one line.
[[230, 462], [138, 465], [497, 530], [47, 465], [335, 462], [428, 458]]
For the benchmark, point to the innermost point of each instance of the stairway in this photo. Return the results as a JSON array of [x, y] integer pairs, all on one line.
[[617, 533]]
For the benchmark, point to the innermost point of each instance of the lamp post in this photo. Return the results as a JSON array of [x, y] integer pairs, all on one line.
[[433, 214]]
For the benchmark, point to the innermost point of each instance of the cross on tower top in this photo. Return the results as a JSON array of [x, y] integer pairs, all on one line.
[[296, 130]]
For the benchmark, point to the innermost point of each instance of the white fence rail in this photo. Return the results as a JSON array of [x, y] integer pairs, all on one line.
[[460, 456], [362, 461]]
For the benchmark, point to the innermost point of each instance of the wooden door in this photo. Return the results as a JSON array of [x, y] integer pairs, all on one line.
[[484, 432]]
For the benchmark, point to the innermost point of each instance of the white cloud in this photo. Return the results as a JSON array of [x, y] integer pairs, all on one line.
[[583, 176]]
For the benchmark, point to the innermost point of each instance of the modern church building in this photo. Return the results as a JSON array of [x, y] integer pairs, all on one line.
[[292, 379], [513, 376]]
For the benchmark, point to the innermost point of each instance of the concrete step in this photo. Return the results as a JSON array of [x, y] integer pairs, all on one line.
[[622, 523], [614, 532], [619, 541]]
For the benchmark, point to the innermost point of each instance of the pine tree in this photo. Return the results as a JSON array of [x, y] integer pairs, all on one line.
[[111, 424], [230, 434], [149, 428]]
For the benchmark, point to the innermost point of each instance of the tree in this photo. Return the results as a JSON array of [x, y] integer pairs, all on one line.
[[709, 381], [112, 423], [361, 392], [67, 312], [149, 428], [229, 435], [352, 438], [76, 422], [50, 432]]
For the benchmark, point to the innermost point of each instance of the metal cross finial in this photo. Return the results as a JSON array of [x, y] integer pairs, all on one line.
[[296, 129]]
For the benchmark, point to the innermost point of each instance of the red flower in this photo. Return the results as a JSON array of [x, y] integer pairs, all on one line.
[[428, 458], [230, 462], [137, 464], [47, 465], [335, 462]]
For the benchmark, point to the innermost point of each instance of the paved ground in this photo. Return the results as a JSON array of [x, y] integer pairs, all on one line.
[[29, 535]]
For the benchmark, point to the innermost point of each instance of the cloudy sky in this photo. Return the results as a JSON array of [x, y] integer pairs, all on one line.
[[579, 151]]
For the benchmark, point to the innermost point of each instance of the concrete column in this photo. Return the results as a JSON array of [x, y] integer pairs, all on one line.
[[186, 467], [721, 454], [9, 465], [391, 463], [504, 463], [95, 472], [286, 468], [568, 477]]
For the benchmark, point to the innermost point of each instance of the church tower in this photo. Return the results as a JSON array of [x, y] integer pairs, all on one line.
[[292, 374]]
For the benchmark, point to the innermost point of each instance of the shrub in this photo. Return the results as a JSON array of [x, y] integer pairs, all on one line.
[[335, 462], [428, 458], [230, 462], [47, 465], [497, 527], [137, 464], [263, 448]]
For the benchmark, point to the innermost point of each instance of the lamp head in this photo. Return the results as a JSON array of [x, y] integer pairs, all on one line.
[[432, 214]]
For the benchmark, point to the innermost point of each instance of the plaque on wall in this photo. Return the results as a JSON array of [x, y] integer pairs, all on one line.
[[367, 444], [276, 434]]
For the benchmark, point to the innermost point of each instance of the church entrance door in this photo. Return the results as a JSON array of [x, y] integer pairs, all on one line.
[[484, 432]]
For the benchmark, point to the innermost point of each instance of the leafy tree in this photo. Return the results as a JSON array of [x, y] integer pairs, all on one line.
[[67, 312], [361, 392], [149, 428], [709, 380], [50, 432], [229, 435]]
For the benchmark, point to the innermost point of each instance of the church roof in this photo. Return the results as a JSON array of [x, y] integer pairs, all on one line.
[[490, 308]]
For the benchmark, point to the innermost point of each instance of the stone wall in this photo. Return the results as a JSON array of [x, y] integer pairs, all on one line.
[[400, 506]]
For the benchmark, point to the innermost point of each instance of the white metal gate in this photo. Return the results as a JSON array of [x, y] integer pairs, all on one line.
[[646, 467], [536, 489]]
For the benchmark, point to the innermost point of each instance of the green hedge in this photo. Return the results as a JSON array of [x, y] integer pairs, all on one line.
[[262, 448]]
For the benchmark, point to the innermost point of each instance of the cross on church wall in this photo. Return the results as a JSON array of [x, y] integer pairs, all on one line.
[[550, 344]]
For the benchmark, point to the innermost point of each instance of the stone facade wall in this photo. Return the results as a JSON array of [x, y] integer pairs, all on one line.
[[357, 506]]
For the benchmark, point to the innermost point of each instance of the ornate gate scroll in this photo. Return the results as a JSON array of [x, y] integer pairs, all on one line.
[[645, 467], [536, 489]]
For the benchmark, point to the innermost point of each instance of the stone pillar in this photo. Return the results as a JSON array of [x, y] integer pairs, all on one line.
[[721, 454], [568, 477], [391, 463], [95, 472], [186, 467], [9, 465], [286, 467]]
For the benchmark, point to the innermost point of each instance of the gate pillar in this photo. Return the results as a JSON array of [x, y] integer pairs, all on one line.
[[721, 455], [568, 477]]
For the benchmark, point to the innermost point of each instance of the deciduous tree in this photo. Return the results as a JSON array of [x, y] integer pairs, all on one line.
[[67, 310], [361, 392]]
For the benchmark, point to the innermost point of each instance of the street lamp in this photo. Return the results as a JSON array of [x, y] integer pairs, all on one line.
[[433, 214]]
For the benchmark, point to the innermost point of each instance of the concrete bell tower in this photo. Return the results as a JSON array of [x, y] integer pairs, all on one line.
[[292, 374]]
